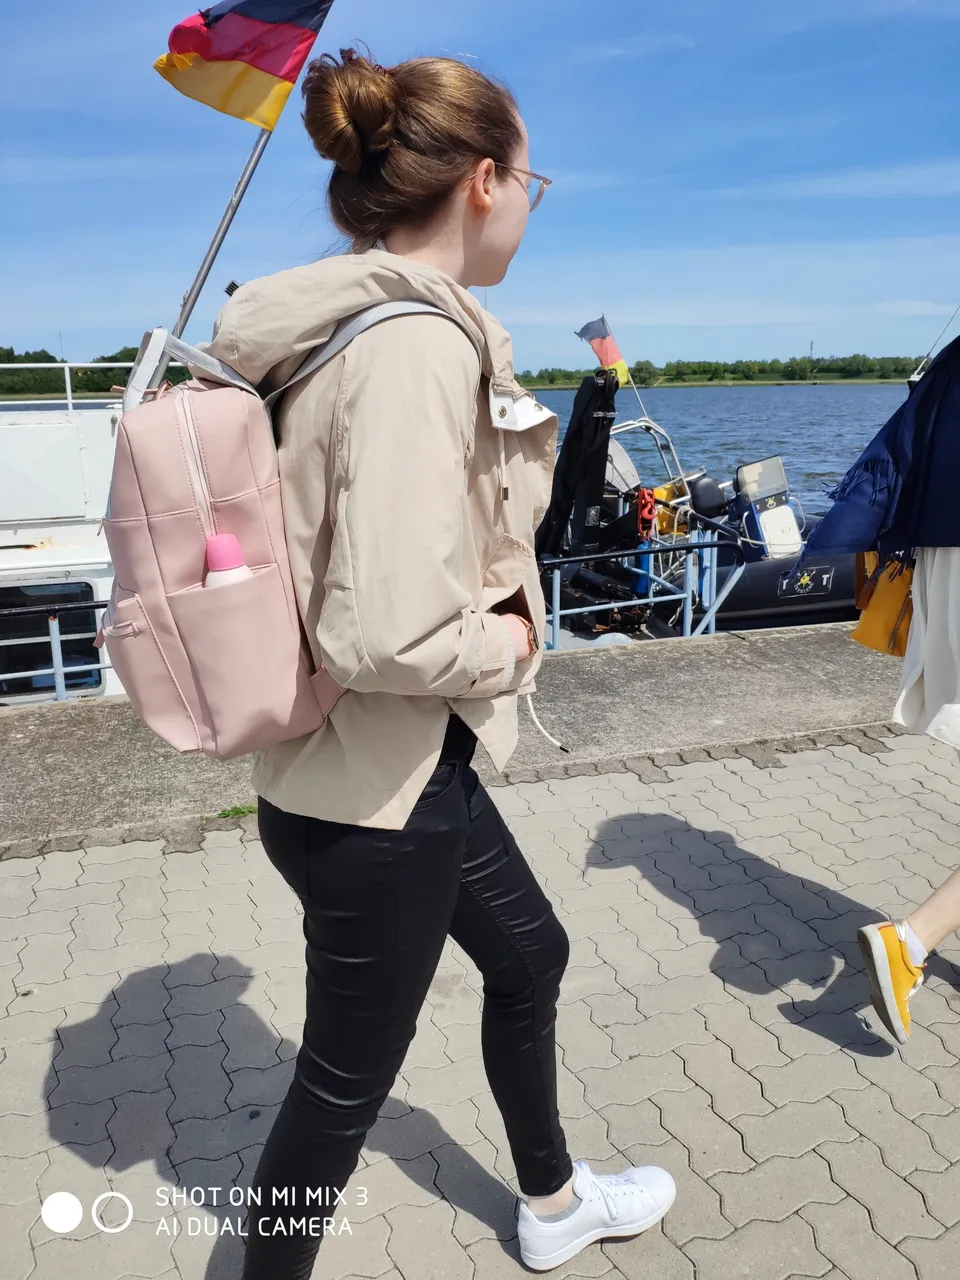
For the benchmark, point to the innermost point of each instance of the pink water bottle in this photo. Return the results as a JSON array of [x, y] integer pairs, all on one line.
[[225, 562]]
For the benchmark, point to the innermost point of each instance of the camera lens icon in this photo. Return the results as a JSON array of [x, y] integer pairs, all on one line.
[[63, 1212]]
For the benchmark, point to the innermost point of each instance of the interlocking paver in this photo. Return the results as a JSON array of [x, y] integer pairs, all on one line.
[[454, 1082], [714, 1145], [803, 1081], [653, 1254], [676, 994], [844, 1235], [941, 1193], [410, 1226], [466, 1176], [793, 1129], [751, 1044], [944, 1132], [649, 1037], [45, 959], [16, 1222], [83, 1170], [25, 1078], [583, 1043], [713, 977], [697, 1210], [630, 957], [896, 1209], [633, 1080], [19, 1176], [912, 1093], [762, 1251], [906, 1147], [734, 1091], [935, 1259], [776, 1189]]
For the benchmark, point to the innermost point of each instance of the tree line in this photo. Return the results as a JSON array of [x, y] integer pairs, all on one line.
[[644, 373], [796, 369], [38, 382]]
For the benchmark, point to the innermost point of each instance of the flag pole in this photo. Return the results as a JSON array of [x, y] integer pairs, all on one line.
[[629, 374], [233, 204]]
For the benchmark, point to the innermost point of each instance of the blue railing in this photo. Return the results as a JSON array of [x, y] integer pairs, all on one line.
[[700, 563], [59, 670]]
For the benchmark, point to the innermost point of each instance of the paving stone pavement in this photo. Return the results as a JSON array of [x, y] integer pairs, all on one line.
[[712, 1020]]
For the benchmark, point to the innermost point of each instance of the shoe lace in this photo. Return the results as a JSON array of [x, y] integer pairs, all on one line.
[[611, 1188]]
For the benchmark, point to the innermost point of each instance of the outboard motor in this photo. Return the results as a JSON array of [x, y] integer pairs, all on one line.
[[763, 505], [707, 498]]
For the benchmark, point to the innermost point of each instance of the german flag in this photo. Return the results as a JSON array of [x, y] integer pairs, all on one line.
[[598, 334], [242, 57]]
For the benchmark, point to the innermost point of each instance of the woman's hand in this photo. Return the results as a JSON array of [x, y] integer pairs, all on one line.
[[519, 635]]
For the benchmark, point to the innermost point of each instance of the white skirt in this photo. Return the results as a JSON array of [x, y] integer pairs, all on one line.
[[929, 698]]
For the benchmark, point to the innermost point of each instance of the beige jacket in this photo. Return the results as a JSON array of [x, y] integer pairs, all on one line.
[[413, 475]]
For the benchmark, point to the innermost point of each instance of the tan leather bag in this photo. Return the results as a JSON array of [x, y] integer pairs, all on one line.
[[885, 603]]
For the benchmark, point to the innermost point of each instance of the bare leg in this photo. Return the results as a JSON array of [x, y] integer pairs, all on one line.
[[939, 916]]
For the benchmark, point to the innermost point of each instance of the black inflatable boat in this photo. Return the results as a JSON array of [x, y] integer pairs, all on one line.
[[626, 559]]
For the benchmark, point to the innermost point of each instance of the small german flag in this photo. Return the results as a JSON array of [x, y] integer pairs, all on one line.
[[242, 57], [598, 334]]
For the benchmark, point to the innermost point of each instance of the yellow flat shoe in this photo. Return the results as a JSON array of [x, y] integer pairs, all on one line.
[[892, 976]]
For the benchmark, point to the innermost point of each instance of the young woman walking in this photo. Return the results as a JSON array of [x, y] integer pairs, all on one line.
[[899, 499], [414, 471]]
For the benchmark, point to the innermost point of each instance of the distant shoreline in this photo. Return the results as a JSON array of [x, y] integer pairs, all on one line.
[[754, 382], [557, 386]]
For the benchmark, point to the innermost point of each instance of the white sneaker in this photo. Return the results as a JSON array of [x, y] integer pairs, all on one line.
[[612, 1204]]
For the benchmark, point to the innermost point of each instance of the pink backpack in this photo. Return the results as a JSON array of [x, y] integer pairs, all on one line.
[[223, 671]]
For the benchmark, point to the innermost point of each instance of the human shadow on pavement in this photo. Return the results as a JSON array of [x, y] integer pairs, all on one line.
[[775, 933], [148, 1090]]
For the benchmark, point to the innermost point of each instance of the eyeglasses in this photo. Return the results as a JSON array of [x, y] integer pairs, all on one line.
[[537, 192], [535, 195]]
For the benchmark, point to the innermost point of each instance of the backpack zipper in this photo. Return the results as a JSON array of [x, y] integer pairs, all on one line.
[[198, 477]]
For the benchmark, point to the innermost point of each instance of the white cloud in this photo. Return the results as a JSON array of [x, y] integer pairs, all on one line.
[[644, 46], [935, 179], [883, 296]]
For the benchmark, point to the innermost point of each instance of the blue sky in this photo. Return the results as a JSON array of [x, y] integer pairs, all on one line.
[[732, 178]]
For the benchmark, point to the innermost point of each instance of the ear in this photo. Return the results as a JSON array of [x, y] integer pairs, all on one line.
[[480, 189]]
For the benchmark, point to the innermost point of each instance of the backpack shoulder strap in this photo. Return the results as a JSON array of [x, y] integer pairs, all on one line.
[[159, 343], [217, 369], [355, 325]]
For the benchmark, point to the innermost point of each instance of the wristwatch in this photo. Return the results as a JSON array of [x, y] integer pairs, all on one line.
[[532, 637]]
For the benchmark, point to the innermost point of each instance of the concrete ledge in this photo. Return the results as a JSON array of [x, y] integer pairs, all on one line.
[[78, 769]]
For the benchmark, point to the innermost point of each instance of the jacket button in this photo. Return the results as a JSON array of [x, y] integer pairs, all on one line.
[[502, 411]]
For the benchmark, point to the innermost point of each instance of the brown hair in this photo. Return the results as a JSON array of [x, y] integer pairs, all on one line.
[[402, 137]]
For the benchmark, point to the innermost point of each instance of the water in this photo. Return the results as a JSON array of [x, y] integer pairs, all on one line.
[[818, 430]]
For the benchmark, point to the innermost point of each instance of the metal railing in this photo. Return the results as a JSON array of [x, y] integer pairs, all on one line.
[[66, 366], [59, 669], [699, 578], [700, 564]]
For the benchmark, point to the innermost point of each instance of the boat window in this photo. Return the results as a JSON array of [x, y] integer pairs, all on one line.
[[25, 639]]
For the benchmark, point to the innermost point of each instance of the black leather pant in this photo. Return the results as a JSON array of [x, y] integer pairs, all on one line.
[[378, 906]]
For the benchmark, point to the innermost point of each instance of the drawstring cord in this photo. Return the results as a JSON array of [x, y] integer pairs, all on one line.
[[536, 721]]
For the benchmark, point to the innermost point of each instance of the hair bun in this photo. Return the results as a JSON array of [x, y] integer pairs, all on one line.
[[350, 108]]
